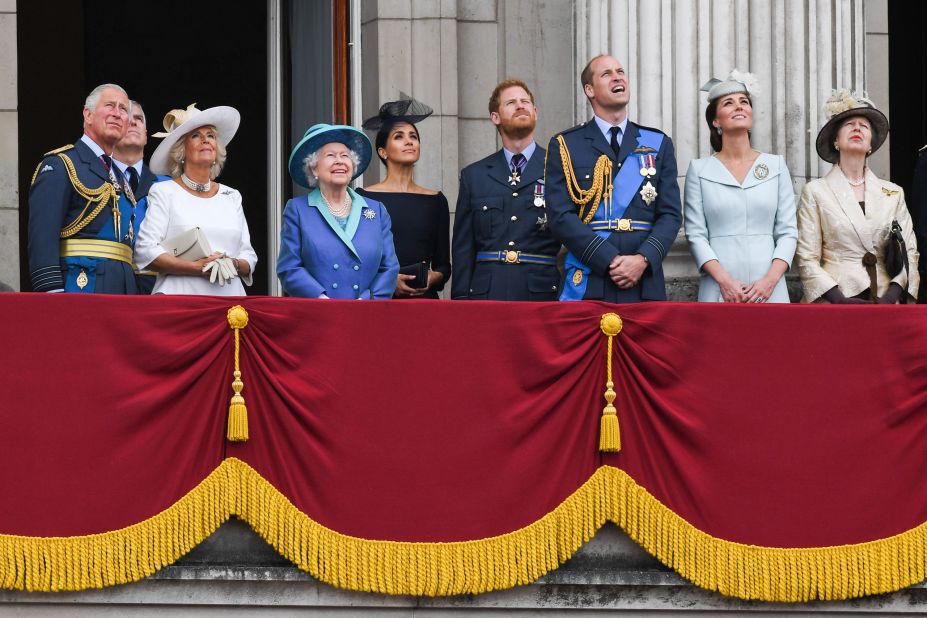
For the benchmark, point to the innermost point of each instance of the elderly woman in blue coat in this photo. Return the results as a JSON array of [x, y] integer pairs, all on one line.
[[335, 243], [739, 205]]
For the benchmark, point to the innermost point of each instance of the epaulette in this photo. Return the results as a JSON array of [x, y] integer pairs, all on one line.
[[58, 150], [654, 129], [571, 129]]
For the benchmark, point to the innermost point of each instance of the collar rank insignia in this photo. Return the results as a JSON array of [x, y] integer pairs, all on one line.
[[369, 213]]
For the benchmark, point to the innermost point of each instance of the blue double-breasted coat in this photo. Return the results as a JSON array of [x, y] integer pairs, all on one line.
[[318, 257]]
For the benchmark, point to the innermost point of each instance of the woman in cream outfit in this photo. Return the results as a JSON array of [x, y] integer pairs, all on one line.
[[739, 205], [845, 217]]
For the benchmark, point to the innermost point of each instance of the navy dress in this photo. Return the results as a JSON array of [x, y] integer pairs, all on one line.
[[421, 230]]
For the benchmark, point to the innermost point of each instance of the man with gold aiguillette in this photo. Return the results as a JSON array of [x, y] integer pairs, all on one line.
[[81, 207], [612, 196]]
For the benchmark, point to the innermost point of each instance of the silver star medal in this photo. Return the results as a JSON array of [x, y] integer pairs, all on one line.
[[648, 193], [542, 223]]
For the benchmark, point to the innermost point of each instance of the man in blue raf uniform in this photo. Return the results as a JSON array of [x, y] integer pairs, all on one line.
[[80, 218], [502, 248], [612, 196], [128, 155]]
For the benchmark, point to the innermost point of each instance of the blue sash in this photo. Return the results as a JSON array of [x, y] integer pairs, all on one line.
[[75, 264], [625, 185]]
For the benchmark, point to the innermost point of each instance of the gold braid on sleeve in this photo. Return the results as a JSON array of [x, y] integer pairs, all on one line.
[[99, 196], [601, 183]]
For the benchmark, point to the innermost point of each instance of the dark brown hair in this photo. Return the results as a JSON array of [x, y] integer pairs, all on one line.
[[711, 112]]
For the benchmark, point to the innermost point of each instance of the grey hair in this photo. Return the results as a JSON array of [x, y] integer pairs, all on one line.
[[312, 160], [176, 162], [133, 105], [94, 97]]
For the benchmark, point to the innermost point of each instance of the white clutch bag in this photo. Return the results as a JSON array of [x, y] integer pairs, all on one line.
[[190, 245]]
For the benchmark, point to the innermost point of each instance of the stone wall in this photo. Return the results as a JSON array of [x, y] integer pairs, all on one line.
[[9, 140]]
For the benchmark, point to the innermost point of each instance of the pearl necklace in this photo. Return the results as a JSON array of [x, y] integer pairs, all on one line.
[[858, 182], [196, 186], [341, 212]]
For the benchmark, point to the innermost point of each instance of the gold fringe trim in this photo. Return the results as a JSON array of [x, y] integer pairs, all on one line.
[[51, 564], [467, 567]]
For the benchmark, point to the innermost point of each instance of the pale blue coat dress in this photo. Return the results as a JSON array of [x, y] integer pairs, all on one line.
[[745, 226]]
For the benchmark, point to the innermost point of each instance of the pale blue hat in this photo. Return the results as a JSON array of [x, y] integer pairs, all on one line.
[[320, 134]]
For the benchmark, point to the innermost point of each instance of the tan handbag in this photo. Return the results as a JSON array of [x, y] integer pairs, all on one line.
[[190, 245]]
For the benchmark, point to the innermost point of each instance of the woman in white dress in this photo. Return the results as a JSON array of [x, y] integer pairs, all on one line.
[[845, 218], [739, 205], [193, 153]]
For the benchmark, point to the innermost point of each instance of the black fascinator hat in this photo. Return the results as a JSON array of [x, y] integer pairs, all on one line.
[[406, 109]]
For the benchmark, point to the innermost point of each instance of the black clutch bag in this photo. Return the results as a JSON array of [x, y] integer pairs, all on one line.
[[418, 270], [896, 253]]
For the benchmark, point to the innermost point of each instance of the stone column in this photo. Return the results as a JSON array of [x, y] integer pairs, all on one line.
[[9, 157], [410, 46], [799, 49]]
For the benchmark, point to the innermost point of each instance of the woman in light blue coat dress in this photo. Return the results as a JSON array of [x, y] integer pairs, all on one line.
[[334, 242], [739, 205]]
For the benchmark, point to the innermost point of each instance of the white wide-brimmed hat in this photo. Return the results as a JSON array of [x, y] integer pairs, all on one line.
[[179, 122]]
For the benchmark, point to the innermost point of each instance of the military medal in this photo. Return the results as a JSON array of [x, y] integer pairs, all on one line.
[[369, 214], [82, 279], [761, 171], [648, 193], [539, 195], [648, 165], [577, 277], [514, 178], [542, 223]]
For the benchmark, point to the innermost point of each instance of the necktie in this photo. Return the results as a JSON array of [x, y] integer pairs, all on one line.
[[518, 164], [133, 178], [107, 162], [615, 142]]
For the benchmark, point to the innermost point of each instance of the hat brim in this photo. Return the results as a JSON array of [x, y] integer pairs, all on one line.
[[226, 120], [351, 137], [828, 133]]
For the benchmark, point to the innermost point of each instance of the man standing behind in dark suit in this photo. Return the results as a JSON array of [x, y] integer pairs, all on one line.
[[80, 221], [129, 158], [918, 208], [502, 248], [613, 196]]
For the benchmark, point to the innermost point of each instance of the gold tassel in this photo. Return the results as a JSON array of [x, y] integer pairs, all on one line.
[[238, 412], [609, 432]]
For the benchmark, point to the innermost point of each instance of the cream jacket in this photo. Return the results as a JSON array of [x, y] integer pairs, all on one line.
[[834, 234]]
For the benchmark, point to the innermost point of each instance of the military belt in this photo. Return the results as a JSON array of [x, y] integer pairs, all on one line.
[[620, 225], [515, 257], [92, 247]]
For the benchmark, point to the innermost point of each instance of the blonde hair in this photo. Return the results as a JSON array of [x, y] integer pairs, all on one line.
[[175, 156]]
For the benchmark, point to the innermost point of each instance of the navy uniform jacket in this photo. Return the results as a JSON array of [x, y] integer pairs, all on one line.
[[53, 204], [586, 143], [493, 215]]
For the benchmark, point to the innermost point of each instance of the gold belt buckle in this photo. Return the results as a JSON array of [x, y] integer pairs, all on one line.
[[511, 257], [624, 225]]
